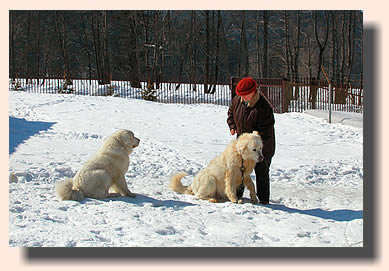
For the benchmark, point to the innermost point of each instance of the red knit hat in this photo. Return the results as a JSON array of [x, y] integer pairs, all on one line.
[[246, 86]]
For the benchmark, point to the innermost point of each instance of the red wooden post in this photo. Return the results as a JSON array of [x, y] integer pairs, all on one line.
[[284, 106]]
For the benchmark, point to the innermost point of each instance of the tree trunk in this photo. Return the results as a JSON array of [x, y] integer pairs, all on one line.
[[243, 69], [61, 35], [287, 46], [207, 52], [192, 68], [107, 66], [96, 44], [12, 46], [258, 47], [322, 47], [297, 47], [295, 70], [133, 54], [265, 42], [219, 22], [28, 51]]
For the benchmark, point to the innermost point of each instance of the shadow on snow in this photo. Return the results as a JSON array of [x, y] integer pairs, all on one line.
[[20, 130], [337, 215], [142, 200]]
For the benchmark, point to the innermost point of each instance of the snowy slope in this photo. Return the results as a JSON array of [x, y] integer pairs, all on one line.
[[316, 177]]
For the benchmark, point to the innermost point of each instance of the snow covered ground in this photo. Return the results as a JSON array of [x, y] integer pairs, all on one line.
[[316, 177], [347, 118]]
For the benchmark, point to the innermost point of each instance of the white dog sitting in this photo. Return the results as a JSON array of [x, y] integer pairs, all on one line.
[[103, 171], [221, 178]]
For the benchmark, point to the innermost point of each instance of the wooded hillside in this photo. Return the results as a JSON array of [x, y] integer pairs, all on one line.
[[206, 46]]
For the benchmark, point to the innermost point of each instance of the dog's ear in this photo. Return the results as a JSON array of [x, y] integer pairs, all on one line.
[[256, 133], [240, 146], [126, 137]]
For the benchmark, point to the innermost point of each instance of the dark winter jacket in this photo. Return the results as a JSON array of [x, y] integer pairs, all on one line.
[[258, 117]]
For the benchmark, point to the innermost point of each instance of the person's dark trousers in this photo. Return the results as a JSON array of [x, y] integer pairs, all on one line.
[[263, 179]]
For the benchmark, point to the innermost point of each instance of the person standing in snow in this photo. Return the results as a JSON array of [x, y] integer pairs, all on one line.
[[249, 112]]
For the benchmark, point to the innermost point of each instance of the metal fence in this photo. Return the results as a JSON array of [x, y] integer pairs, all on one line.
[[284, 96], [166, 92], [271, 89], [304, 94]]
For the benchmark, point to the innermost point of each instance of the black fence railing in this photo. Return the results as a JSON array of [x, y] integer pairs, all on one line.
[[284, 96], [305, 94], [165, 92]]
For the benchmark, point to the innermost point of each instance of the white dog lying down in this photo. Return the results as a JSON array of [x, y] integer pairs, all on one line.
[[103, 171], [220, 179]]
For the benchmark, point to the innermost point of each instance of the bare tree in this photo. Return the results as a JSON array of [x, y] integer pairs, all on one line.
[[61, 36], [12, 45], [297, 47], [287, 46], [134, 51], [265, 42], [321, 46], [99, 27], [217, 62], [348, 55], [189, 46], [258, 52], [207, 51], [243, 64], [192, 56]]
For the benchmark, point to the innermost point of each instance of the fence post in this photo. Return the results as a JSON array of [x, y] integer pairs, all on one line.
[[284, 106], [330, 102], [330, 94], [232, 88]]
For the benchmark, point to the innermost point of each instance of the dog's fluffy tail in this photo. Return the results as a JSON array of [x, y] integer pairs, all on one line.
[[65, 191], [176, 185]]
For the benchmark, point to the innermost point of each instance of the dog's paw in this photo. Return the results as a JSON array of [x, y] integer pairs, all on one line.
[[254, 201], [132, 195], [236, 201]]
